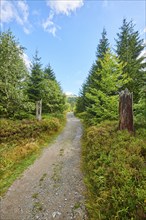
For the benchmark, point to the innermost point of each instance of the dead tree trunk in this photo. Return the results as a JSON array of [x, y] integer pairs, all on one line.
[[39, 110], [126, 111]]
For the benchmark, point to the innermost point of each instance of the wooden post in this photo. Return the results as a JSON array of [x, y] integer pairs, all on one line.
[[126, 111], [39, 110]]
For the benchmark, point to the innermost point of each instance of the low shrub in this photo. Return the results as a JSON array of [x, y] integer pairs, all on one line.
[[114, 166]]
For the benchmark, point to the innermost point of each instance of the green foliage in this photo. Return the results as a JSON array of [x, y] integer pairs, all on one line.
[[140, 107], [71, 102], [103, 97], [114, 166], [102, 48], [13, 77], [53, 97], [129, 48], [21, 89], [49, 73], [43, 85], [35, 85]]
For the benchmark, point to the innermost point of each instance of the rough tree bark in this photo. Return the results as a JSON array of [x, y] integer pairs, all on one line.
[[126, 111], [39, 110]]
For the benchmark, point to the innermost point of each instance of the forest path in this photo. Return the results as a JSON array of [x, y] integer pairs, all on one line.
[[51, 188]]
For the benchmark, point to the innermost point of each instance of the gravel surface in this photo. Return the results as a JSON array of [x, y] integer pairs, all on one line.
[[52, 188]]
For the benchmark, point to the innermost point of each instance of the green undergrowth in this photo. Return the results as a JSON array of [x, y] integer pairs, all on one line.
[[22, 142], [114, 168]]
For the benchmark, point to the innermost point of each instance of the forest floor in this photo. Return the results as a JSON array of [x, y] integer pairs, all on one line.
[[51, 188]]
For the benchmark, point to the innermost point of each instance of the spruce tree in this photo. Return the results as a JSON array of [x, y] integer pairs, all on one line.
[[49, 73], [102, 48], [53, 97], [103, 97], [129, 47], [35, 87]]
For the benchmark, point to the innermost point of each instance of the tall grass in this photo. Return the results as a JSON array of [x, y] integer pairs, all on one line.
[[114, 167], [22, 142]]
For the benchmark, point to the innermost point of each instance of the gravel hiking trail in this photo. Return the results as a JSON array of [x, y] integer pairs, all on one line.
[[51, 188]]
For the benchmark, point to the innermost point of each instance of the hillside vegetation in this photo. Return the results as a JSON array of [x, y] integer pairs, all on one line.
[[114, 166], [113, 160]]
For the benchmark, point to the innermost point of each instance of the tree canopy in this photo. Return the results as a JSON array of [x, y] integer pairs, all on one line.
[[111, 73], [20, 89], [129, 47], [13, 76]]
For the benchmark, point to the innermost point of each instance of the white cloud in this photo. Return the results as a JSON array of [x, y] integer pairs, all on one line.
[[26, 30], [7, 11], [23, 11], [68, 93], [26, 60], [144, 30], [65, 6], [15, 11], [49, 25]]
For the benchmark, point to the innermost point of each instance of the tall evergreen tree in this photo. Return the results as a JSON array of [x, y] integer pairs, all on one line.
[[102, 48], [103, 97], [35, 87], [129, 47], [53, 97], [49, 73]]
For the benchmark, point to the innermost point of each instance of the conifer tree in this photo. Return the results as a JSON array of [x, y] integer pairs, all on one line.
[[53, 97], [102, 48], [49, 73], [129, 47], [103, 97], [35, 87]]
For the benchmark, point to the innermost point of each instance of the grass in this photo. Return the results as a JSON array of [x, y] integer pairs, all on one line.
[[77, 205], [21, 143], [35, 195], [38, 206], [114, 167]]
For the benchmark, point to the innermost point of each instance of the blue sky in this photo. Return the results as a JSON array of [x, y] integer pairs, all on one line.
[[67, 32]]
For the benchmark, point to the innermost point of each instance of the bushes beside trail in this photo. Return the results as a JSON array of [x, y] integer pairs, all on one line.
[[11, 130], [114, 166], [21, 142]]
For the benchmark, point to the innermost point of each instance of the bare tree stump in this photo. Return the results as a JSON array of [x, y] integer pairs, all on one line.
[[126, 111], [39, 110]]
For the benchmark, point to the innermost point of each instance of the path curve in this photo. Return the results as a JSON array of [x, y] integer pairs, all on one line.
[[51, 188]]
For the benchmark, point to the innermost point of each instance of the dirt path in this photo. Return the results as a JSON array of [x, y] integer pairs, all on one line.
[[52, 188]]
